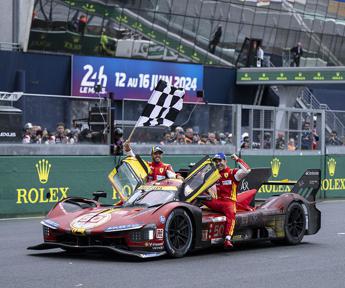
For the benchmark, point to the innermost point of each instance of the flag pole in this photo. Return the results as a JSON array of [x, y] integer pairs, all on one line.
[[132, 132]]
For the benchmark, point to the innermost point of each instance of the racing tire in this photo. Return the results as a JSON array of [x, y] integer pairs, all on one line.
[[178, 233], [295, 224]]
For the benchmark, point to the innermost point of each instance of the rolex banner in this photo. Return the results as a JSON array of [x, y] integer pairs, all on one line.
[[31, 185]]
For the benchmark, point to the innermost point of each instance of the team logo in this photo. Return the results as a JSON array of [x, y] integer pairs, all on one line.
[[275, 166], [89, 221], [161, 170], [43, 169], [244, 185], [226, 175], [331, 164]]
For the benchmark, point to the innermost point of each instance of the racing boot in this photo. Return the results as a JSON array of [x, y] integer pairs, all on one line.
[[227, 243]]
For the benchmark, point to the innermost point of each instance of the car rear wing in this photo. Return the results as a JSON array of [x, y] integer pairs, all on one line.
[[307, 185]]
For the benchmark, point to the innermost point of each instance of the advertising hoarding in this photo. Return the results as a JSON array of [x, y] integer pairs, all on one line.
[[132, 79]]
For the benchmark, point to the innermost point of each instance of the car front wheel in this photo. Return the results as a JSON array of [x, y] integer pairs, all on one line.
[[178, 233]]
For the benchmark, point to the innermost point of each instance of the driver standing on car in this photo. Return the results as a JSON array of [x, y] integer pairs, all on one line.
[[224, 198], [158, 170]]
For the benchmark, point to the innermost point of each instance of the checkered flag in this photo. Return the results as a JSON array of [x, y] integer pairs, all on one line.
[[163, 106]]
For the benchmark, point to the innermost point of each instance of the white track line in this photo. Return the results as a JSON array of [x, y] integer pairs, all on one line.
[[21, 218]]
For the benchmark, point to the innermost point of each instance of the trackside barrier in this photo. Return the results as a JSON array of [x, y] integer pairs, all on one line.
[[25, 181]]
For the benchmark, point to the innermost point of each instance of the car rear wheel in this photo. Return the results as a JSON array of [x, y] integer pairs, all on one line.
[[294, 224], [178, 233]]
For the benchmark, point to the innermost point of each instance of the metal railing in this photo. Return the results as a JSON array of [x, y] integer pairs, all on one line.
[[332, 121]]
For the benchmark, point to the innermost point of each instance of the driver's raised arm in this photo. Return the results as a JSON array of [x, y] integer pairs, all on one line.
[[244, 168], [127, 148]]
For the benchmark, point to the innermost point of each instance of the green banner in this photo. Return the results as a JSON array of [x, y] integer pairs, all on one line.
[[334, 181], [31, 185], [284, 75], [64, 41]]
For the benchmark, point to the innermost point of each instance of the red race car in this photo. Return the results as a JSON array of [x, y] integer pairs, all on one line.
[[167, 217]]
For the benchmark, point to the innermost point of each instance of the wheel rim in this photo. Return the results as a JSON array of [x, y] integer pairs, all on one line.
[[296, 223], [179, 232]]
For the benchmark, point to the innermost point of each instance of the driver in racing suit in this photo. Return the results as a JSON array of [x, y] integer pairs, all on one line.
[[224, 198], [158, 170]]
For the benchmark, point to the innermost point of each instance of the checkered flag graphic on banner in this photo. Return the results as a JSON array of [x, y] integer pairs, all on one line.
[[163, 106]]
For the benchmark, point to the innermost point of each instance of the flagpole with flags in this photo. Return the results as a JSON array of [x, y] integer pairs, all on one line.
[[162, 108]]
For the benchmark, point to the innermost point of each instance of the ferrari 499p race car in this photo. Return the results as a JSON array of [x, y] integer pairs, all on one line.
[[167, 217]]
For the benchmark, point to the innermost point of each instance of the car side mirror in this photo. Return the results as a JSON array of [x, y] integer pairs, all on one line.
[[99, 194]]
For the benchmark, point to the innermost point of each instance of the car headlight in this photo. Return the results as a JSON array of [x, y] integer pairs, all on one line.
[[123, 227], [50, 223], [145, 234]]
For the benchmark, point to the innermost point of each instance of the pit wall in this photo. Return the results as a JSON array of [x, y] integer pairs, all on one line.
[[25, 181]]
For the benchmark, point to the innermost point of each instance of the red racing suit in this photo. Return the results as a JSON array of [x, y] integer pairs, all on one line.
[[226, 194], [160, 171]]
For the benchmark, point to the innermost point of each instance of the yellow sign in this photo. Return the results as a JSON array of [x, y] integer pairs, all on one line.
[[337, 76], [299, 76], [318, 76], [246, 77], [282, 77], [275, 166], [264, 77], [34, 195], [331, 165], [43, 169]]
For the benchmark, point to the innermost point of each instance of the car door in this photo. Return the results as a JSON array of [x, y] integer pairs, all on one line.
[[202, 176], [126, 177]]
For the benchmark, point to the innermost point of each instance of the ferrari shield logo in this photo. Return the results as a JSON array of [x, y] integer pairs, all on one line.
[[161, 170], [226, 175]]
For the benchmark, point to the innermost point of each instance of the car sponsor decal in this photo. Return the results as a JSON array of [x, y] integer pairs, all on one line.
[[219, 219], [159, 233], [160, 177], [227, 182], [162, 219], [155, 246], [157, 187], [90, 220]]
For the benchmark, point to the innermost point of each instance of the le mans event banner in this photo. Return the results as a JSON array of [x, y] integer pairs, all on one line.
[[132, 79]]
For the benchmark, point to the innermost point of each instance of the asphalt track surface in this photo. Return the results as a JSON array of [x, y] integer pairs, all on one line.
[[318, 262]]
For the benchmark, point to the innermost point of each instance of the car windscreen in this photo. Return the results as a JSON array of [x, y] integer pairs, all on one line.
[[125, 180], [151, 198]]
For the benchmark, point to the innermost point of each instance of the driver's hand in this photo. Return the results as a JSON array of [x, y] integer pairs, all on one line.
[[213, 192], [234, 157], [178, 176], [127, 146]]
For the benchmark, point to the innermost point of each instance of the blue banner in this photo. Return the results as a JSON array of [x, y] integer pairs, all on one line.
[[134, 79]]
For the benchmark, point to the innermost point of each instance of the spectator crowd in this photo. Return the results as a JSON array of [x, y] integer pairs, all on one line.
[[189, 136], [35, 134]]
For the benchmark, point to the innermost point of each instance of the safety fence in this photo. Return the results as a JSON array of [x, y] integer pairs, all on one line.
[[50, 119]]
